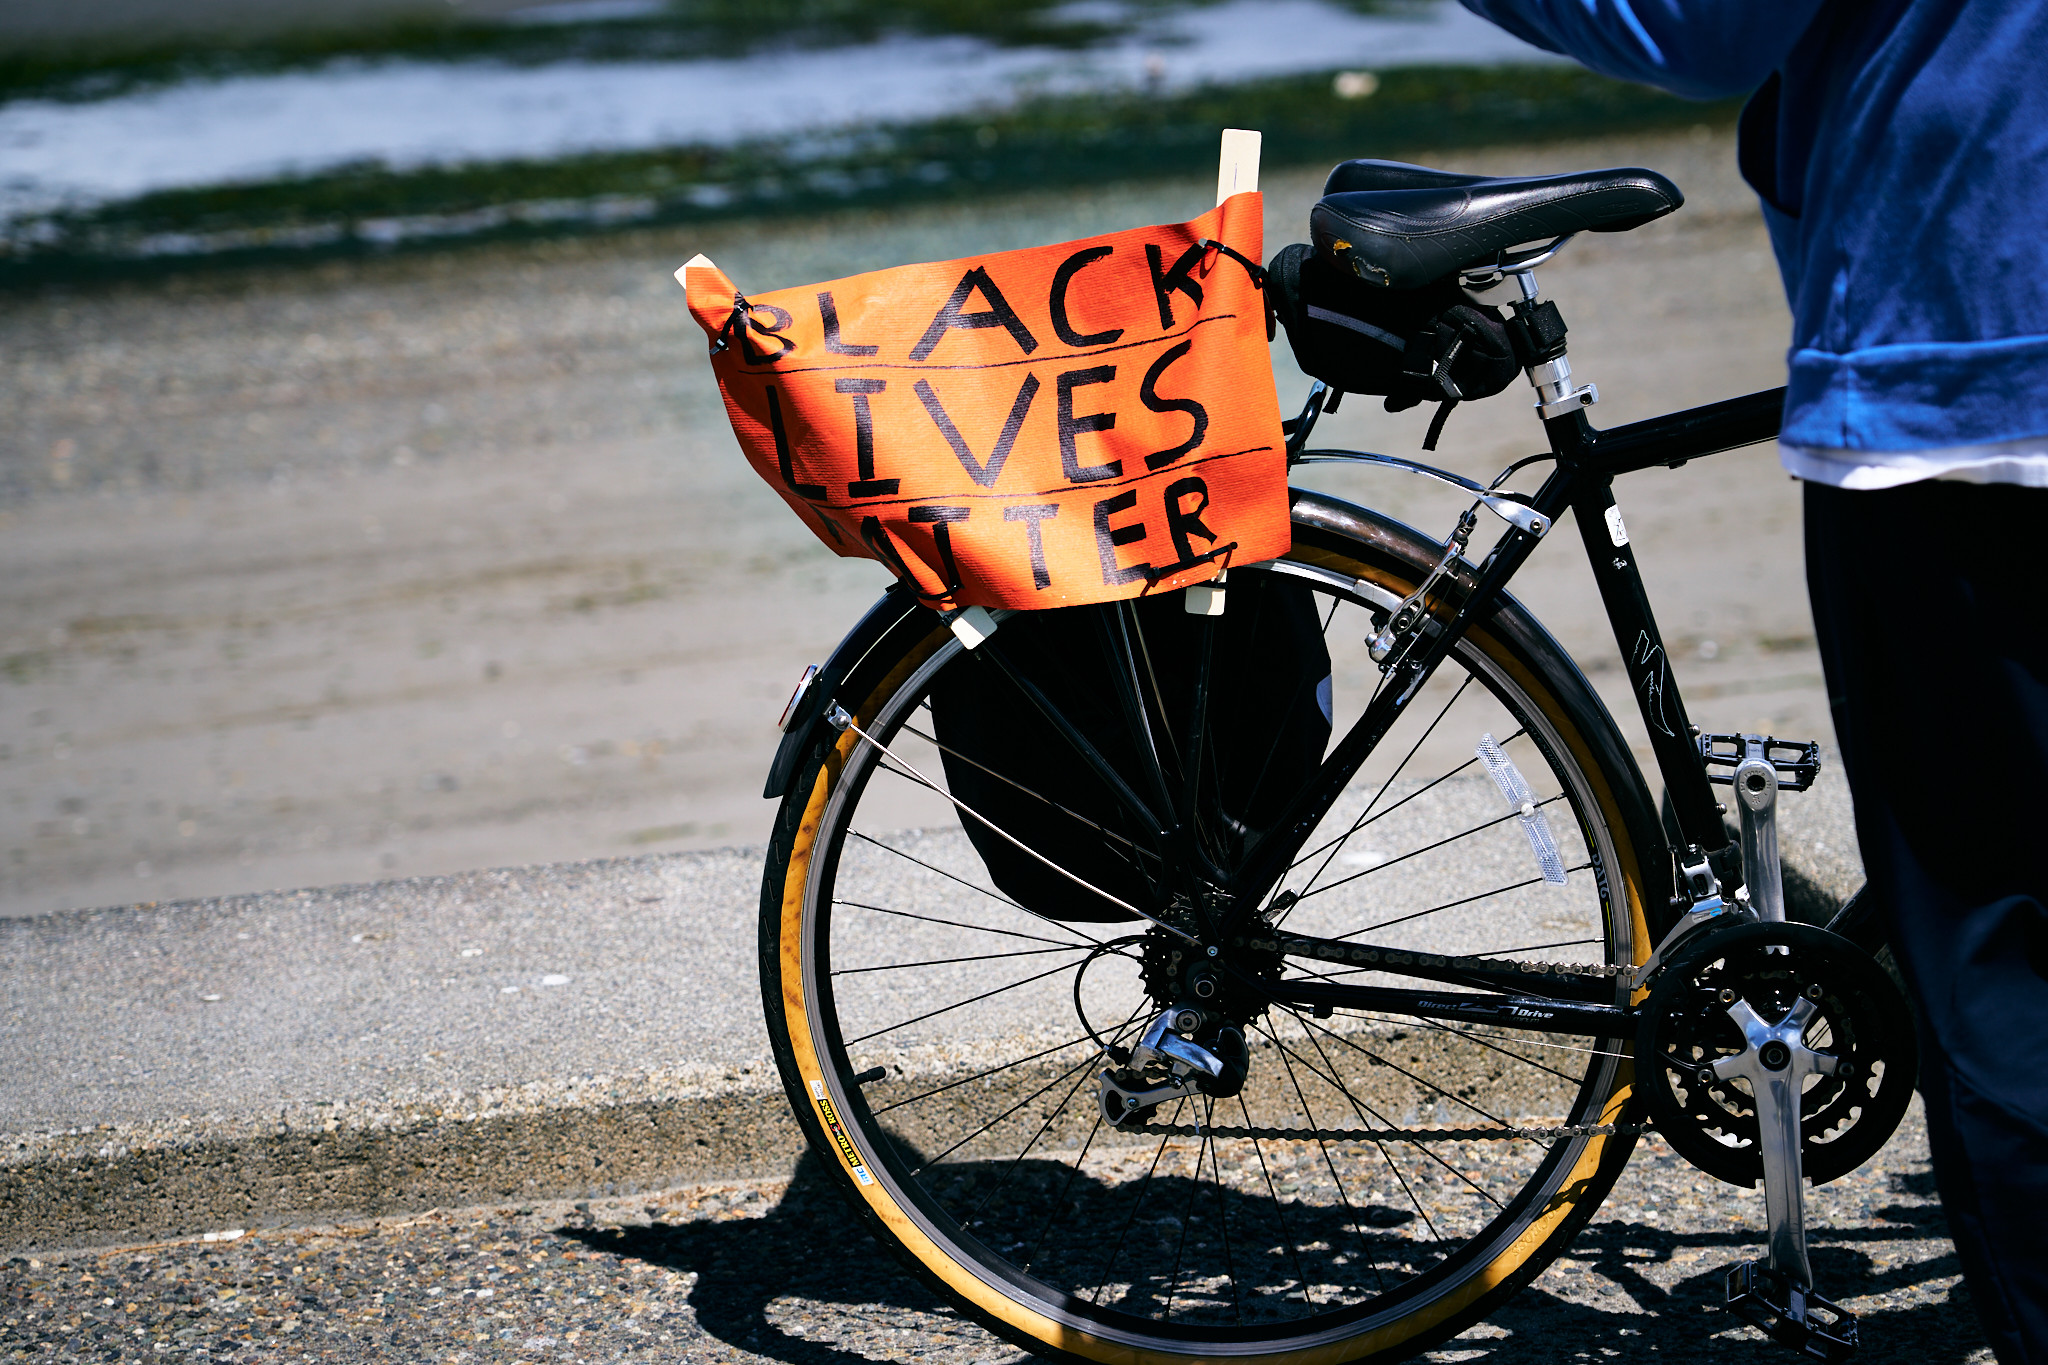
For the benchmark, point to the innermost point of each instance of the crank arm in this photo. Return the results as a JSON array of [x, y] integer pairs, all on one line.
[[1776, 1063], [1528, 1012], [1779, 1296]]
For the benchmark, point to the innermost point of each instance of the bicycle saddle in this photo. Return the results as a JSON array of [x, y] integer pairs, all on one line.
[[1401, 226]]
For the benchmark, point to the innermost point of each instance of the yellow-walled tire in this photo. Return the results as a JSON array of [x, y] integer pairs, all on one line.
[[935, 1038]]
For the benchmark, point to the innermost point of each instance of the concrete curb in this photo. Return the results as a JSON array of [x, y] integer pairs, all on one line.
[[123, 1183], [327, 1111]]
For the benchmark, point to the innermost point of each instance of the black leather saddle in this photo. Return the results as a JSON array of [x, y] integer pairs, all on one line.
[[1400, 226]]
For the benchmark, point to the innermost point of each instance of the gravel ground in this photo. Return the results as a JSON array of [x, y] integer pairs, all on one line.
[[732, 1272]]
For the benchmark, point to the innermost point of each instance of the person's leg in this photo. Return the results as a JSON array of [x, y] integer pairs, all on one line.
[[1931, 607]]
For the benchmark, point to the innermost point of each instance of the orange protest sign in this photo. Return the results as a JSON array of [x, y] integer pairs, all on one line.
[[1072, 423]]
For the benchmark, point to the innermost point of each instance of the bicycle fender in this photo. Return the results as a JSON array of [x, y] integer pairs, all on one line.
[[893, 606]]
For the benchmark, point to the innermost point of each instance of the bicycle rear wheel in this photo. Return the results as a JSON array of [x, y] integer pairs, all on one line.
[[1361, 1197]]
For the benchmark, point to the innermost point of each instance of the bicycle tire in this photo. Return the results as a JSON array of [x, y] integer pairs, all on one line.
[[826, 977]]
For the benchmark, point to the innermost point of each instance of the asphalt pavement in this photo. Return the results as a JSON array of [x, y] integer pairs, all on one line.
[[767, 1271]]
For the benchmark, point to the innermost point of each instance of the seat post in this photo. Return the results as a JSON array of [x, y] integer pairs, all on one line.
[[1537, 332]]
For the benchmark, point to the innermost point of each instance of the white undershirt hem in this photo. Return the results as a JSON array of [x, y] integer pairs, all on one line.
[[2023, 462]]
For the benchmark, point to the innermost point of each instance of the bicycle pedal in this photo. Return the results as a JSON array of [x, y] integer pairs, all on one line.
[[1790, 1315], [1797, 760]]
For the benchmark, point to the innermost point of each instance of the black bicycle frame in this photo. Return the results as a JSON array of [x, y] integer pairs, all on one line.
[[1582, 480], [1586, 461]]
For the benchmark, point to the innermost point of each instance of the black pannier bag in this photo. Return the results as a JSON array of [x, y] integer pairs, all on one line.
[[1430, 344], [1269, 723]]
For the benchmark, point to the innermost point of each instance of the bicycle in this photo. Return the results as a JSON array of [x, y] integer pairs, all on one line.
[[1222, 1104]]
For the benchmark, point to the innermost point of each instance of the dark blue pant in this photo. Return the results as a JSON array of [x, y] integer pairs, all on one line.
[[1931, 605]]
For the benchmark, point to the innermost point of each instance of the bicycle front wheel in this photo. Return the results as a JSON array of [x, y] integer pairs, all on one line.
[[1378, 1182]]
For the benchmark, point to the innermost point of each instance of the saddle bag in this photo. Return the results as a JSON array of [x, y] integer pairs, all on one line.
[[1268, 725], [1429, 344]]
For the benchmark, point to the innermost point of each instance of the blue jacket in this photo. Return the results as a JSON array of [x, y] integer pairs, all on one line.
[[1901, 149]]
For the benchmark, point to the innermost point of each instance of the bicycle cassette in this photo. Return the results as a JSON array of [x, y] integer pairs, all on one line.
[[1860, 1017]]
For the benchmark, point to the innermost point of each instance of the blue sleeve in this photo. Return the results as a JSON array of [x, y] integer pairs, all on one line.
[[1701, 49]]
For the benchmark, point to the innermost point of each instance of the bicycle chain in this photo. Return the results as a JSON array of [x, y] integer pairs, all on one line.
[[1331, 950], [1563, 1130]]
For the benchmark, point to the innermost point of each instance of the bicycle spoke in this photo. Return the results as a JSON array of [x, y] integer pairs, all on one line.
[[1273, 1195], [1074, 1172], [956, 924], [1051, 1114], [1265, 764], [1452, 905], [1543, 947], [1137, 632], [1479, 1038], [1034, 795], [1363, 821], [1520, 1039], [1378, 1060], [1079, 742], [1287, 1060], [1201, 820], [1115, 639], [1385, 786], [992, 1071], [1359, 1105], [1223, 1218], [1417, 853], [949, 961], [1385, 1155], [933, 867], [1053, 1210], [1081, 1065], [897, 768], [1144, 1187], [904, 769], [957, 1004], [1043, 1128], [1187, 1220]]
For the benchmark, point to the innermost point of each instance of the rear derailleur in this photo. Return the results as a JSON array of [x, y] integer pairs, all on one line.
[[1771, 1050], [1184, 1052]]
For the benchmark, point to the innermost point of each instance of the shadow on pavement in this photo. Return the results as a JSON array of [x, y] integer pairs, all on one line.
[[809, 1247], [1625, 1288]]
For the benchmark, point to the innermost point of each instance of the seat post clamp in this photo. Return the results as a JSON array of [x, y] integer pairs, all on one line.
[[1557, 393]]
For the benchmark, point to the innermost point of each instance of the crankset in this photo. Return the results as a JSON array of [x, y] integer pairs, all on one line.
[[1772, 1051], [1697, 1027], [1782, 1053]]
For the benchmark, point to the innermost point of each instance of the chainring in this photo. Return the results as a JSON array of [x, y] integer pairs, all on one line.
[[1860, 1016]]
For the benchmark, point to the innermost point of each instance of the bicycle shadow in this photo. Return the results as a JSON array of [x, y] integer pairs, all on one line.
[[809, 1248], [1688, 1318], [805, 1285]]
